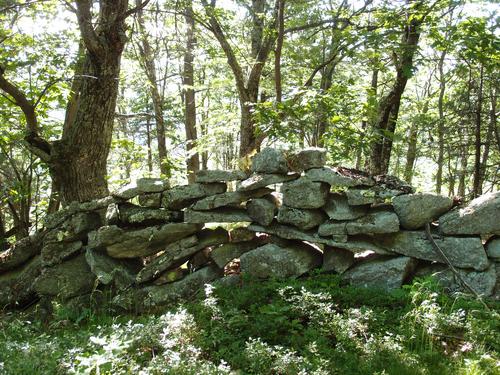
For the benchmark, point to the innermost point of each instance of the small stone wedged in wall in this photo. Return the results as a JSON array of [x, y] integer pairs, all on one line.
[[377, 222], [152, 200], [304, 219], [305, 193], [337, 208], [217, 215], [493, 248], [305, 159], [262, 210], [415, 210], [231, 198], [258, 181], [180, 197], [218, 175]]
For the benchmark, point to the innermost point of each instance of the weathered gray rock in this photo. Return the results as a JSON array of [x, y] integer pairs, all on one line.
[[68, 279], [387, 274], [177, 254], [171, 276], [270, 160], [127, 192], [493, 249], [120, 243], [262, 210], [16, 286], [307, 158], [207, 176], [304, 193], [414, 210], [241, 234], [280, 262], [228, 199], [292, 233], [150, 200], [218, 215], [481, 216], [151, 185], [463, 252], [482, 282], [119, 272], [363, 244], [337, 259], [332, 177], [496, 291], [223, 254], [75, 228], [302, 218], [20, 252], [55, 252], [374, 195], [337, 208], [332, 228], [130, 214], [182, 196], [374, 223], [258, 181]]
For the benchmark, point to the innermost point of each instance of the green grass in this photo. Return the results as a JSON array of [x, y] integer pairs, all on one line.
[[307, 326]]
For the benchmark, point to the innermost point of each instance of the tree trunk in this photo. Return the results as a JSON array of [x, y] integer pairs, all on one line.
[[411, 155], [371, 99], [442, 88], [279, 48], [476, 185], [193, 161]]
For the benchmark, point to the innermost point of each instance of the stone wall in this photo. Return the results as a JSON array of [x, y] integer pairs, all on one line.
[[287, 216]]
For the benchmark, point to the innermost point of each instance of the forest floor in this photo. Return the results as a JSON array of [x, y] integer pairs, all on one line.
[[304, 326]]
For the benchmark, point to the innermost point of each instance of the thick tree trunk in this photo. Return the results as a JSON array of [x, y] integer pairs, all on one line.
[[440, 160], [476, 185], [279, 47], [411, 154], [193, 161]]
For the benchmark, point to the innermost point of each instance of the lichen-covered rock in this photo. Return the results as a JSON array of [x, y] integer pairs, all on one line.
[[241, 234], [262, 210], [335, 179], [171, 276], [230, 198], [272, 261], [304, 193], [151, 185], [207, 176], [258, 181], [415, 210], [337, 208], [218, 215], [307, 158], [130, 214], [374, 195], [182, 196], [270, 160], [374, 223], [16, 286], [20, 252], [55, 252], [67, 279], [493, 249], [332, 228], [301, 218], [75, 228], [223, 254], [119, 272], [385, 273], [150, 200], [482, 282], [480, 216], [292, 233], [120, 243], [463, 252], [337, 259]]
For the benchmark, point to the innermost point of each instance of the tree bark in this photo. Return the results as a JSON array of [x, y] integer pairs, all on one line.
[[411, 154], [476, 184], [279, 48], [193, 161], [442, 88]]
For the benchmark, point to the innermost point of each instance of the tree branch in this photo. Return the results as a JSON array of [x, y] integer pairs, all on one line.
[[89, 35]]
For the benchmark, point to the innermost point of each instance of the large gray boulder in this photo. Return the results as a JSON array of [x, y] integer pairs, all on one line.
[[337, 259], [270, 160], [16, 286], [463, 252], [273, 261], [218, 215], [217, 175], [337, 208], [258, 181], [304, 193], [493, 249], [414, 210], [225, 253], [480, 216], [262, 210], [301, 218], [334, 178], [230, 198], [182, 196], [386, 273], [374, 223], [121, 243], [307, 158], [20, 252], [68, 279]]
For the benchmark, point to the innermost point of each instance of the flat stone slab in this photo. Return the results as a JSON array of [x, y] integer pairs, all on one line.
[[258, 181], [55, 252], [386, 273], [273, 261], [262, 210], [182, 196], [229, 198], [480, 216], [292, 233], [415, 210], [372, 196], [218, 215], [335, 179], [218, 175], [463, 252], [301, 218], [337, 208], [374, 223], [304, 193], [302, 160], [130, 214], [74, 228], [270, 160], [223, 254]]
